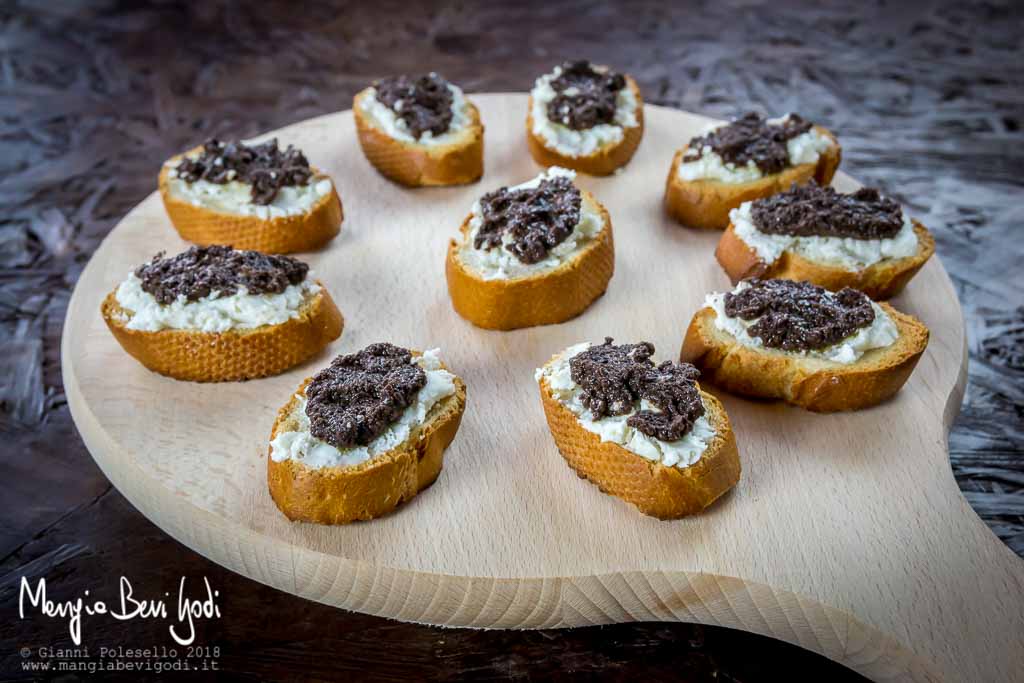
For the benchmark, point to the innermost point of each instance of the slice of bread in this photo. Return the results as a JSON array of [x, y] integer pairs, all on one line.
[[706, 203], [415, 164], [882, 280], [553, 296], [229, 356], [655, 489], [811, 383], [278, 235], [604, 160], [338, 495]]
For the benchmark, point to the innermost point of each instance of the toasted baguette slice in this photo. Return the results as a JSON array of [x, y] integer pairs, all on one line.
[[233, 355], [706, 203], [811, 383], [550, 297], [655, 489], [882, 280], [338, 495], [603, 161], [279, 235], [415, 164]]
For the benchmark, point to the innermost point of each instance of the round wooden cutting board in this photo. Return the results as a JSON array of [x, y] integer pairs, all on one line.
[[846, 535]]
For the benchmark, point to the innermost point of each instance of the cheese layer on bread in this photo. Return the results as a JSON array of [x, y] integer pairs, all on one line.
[[216, 312], [848, 253], [614, 428], [304, 448], [498, 263], [882, 332], [805, 148], [388, 121], [579, 143]]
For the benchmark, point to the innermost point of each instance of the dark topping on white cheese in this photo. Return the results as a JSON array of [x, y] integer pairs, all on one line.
[[537, 219], [358, 396], [265, 167], [799, 316], [614, 379], [202, 271]]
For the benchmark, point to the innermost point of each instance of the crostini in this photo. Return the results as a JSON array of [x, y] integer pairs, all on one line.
[[364, 435], [250, 196], [743, 160], [533, 254], [584, 117], [820, 350], [420, 131], [642, 432], [860, 240], [217, 314]]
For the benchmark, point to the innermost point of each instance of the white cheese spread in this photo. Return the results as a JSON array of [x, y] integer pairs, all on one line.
[[805, 148], [216, 312], [498, 263], [383, 117], [235, 197], [882, 332], [579, 143], [682, 453], [304, 448], [845, 252]]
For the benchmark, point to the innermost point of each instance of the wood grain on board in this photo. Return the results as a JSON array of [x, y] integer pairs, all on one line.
[[846, 534]]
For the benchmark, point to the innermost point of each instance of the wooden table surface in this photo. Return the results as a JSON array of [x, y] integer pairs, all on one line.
[[928, 101]]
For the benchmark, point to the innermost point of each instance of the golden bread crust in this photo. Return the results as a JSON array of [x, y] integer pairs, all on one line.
[[606, 159], [817, 385], [338, 495], [655, 490], [551, 297], [882, 280], [280, 235], [706, 203], [229, 356], [417, 165]]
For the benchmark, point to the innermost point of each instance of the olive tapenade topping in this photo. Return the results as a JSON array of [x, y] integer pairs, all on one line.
[[751, 138], [615, 378], [202, 271], [357, 397], [537, 219], [423, 103], [265, 167], [799, 316], [821, 211], [586, 97]]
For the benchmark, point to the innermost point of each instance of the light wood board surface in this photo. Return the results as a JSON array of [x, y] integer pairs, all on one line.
[[846, 535]]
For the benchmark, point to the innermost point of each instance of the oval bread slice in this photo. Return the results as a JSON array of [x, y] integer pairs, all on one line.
[[604, 160], [706, 203], [811, 383], [233, 355], [338, 495], [655, 489], [278, 235], [882, 280], [550, 297], [414, 164]]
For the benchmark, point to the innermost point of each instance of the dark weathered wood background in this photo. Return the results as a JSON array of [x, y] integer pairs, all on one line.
[[928, 100]]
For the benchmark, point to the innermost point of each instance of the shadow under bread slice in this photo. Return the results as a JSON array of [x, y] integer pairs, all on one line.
[[585, 117], [820, 350], [861, 240], [420, 131], [641, 432], [250, 196], [533, 254], [363, 435], [748, 158], [216, 314]]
